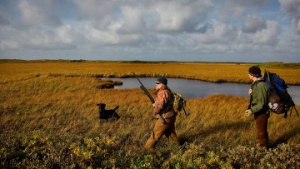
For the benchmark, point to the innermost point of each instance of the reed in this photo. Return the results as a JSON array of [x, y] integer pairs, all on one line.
[[49, 119], [214, 72]]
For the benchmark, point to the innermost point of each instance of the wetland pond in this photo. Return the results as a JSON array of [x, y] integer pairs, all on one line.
[[200, 89]]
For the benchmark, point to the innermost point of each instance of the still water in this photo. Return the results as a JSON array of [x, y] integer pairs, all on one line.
[[200, 89]]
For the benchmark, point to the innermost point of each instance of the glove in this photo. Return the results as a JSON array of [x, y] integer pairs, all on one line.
[[248, 112]]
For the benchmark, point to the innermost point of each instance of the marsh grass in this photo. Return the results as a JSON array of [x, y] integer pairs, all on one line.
[[49, 119], [214, 72]]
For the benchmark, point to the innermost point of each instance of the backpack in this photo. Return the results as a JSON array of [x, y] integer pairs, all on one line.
[[179, 102], [280, 101]]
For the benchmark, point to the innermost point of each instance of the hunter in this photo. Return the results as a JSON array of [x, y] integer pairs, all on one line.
[[258, 105], [163, 106]]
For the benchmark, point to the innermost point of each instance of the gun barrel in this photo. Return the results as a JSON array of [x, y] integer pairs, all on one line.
[[147, 93], [150, 97]]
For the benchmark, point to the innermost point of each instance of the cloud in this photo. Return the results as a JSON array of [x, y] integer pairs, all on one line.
[[132, 16], [218, 32], [3, 18], [34, 12], [236, 8], [265, 37], [292, 8], [138, 29], [253, 24], [181, 15]]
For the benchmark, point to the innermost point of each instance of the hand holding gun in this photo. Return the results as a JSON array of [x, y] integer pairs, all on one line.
[[146, 92]]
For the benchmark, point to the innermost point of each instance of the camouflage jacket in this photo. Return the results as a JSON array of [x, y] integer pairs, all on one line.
[[164, 103]]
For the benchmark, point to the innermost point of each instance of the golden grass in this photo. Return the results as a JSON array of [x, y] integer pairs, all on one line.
[[46, 100], [215, 72]]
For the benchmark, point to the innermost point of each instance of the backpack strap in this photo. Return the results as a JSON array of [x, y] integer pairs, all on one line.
[[293, 107], [169, 103], [269, 80]]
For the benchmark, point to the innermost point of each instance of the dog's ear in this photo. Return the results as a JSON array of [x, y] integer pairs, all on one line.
[[101, 104]]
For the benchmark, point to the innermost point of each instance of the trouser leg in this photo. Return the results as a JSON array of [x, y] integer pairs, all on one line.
[[262, 129], [158, 131], [170, 133]]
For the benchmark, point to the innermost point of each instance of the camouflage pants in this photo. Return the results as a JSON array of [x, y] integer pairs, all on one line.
[[160, 129], [261, 120]]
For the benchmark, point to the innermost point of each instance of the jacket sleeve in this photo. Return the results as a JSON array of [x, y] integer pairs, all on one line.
[[161, 101], [260, 97]]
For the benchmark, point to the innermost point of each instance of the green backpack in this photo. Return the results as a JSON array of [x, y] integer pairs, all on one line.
[[179, 102]]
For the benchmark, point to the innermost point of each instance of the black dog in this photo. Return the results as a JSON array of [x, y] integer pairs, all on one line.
[[106, 114]]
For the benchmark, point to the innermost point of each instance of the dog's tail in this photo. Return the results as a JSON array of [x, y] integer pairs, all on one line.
[[116, 108]]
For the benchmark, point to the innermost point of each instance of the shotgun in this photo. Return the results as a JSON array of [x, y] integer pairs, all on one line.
[[146, 92]]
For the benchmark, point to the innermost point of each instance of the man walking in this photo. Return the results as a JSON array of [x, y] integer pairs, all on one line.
[[163, 106], [258, 105]]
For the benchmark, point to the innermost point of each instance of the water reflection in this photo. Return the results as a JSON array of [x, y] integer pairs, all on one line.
[[200, 89]]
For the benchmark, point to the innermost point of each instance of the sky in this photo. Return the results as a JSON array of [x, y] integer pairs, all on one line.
[[151, 30]]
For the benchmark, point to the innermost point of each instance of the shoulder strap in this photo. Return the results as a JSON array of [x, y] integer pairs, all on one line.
[[269, 80], [170, 101]]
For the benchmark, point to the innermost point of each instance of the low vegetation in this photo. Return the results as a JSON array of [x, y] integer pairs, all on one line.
[[49, 119]]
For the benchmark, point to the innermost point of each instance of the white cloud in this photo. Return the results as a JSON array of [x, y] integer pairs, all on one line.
[[253, 24], [218, 32], [292, 8], [38, 12], [135, 16], [132, 19], [181, 16], [264, 37], [140, 28], [237, 8]]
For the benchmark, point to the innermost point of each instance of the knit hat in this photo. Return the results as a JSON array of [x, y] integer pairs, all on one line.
[[162, 80], [255, 71]]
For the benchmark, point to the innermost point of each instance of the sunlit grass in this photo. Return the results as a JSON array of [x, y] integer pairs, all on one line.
[[215, 72], [49, 119]]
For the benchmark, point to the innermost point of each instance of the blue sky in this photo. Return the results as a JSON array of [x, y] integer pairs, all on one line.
[[151, 30]]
